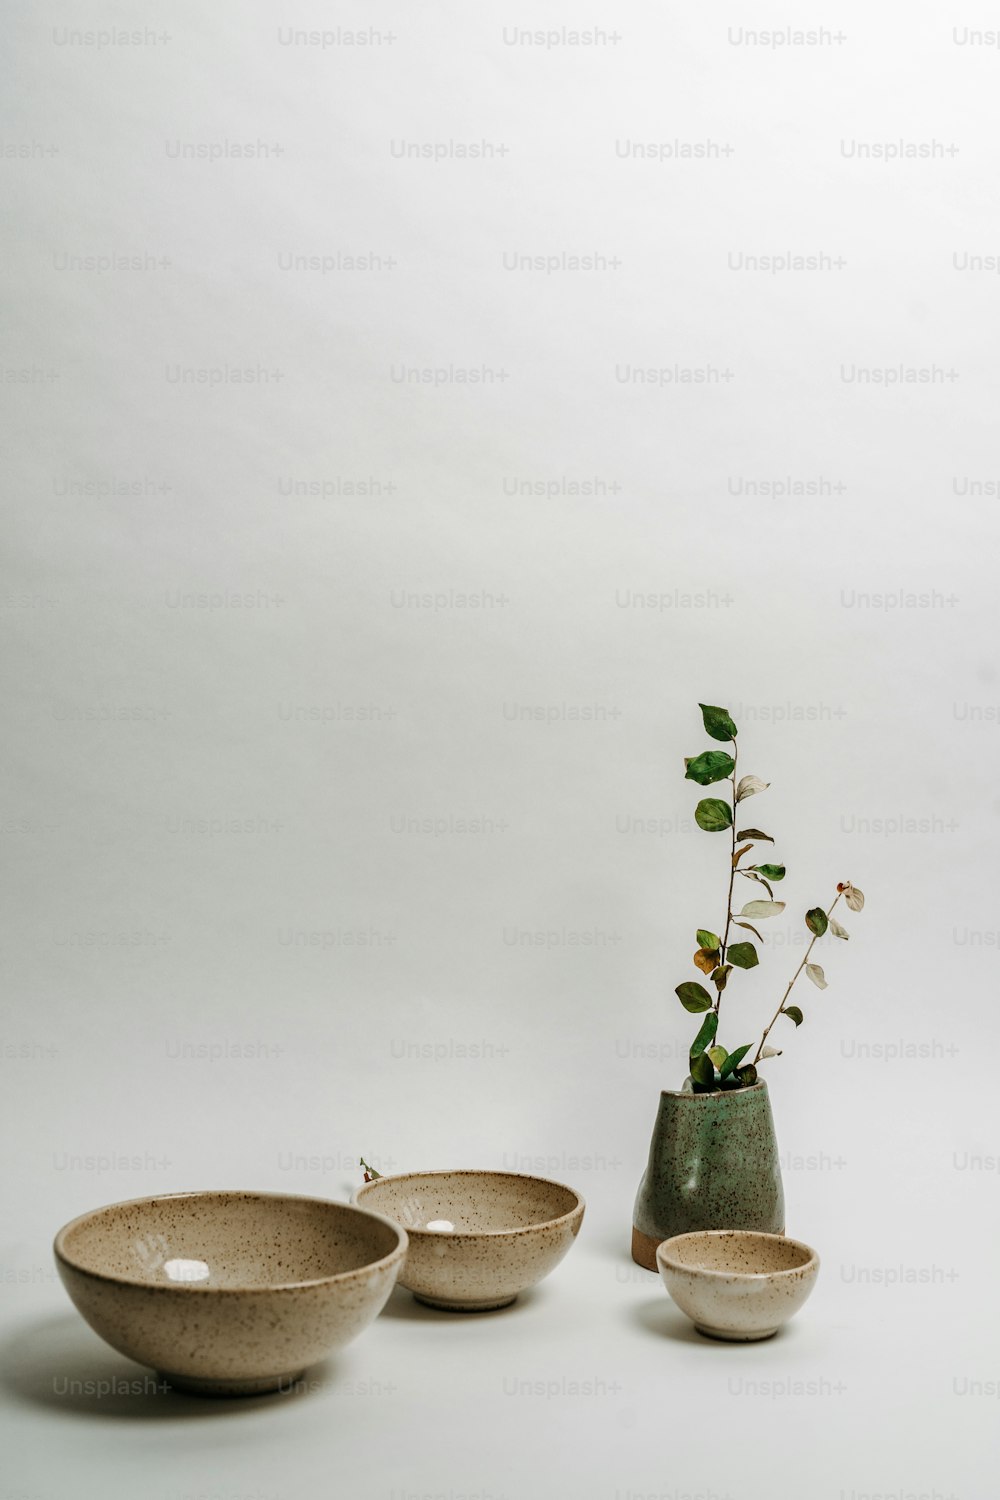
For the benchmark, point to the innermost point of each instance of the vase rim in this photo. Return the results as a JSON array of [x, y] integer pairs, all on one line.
[[714, 1093]]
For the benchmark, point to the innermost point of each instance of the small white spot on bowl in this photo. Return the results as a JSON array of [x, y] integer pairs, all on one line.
[[186, 1270]]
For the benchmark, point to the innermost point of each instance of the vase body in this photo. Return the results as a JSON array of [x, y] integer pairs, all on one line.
[[713, 1164]]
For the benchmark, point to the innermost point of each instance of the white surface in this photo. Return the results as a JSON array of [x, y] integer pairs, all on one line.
[[234, 955]]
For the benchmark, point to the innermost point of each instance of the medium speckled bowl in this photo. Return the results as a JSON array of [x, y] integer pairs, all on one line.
[[229, 1293], [476, 1238], [737, 1284]]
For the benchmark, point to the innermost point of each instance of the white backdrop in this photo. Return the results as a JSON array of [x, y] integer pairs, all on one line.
[[410, 421]]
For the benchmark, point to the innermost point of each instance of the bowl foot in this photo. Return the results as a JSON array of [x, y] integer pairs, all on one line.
[[260, 1385], [736, 1338], [465, 1307]]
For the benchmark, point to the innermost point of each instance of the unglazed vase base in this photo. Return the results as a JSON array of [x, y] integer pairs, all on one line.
[[736, 1338], [464, 1307], [644, 1250], [261, 1386]]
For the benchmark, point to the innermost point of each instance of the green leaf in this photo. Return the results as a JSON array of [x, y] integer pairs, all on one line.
[[718, 1056], [706, 1034], [693, 996], [717, 722], [754, 833], [711, 765], [817, 976], [763, 909], [702, 1072], [773, 872], [743, 955], [720, 976], [745, 1076], [816, 920], [734, 1059], [709, 940], [713, 815], [793, 1013]]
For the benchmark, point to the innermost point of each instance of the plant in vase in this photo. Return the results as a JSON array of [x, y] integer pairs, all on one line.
[[713, 1159]]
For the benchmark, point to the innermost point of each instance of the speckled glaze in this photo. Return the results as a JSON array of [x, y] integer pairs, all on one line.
[[736, 1284], [229, 1293], [501, 1232], [713, 1164]]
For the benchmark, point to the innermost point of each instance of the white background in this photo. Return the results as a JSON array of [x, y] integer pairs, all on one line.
[[214, 814]]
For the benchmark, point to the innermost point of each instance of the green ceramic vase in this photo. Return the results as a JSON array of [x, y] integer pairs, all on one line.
[[713, 1164]]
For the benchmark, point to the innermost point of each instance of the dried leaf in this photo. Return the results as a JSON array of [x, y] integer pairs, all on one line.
[[817, 976], [854, 898], [754, 833], [766, 1052], [763, 909], [706, 959], [739, 853], [837, 930], [749, 928], [749, 785]]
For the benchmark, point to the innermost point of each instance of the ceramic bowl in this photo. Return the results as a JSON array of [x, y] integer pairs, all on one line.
[[229, 1293], [737, 1284], [476, 1238]]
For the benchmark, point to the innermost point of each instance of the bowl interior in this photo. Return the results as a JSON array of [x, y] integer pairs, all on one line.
[[468, 1202], [225, 1240], [736, 1253]]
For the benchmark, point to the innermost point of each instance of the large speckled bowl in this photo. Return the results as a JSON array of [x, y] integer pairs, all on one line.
[[737, 1284], [229, 1293], [476, 1238]]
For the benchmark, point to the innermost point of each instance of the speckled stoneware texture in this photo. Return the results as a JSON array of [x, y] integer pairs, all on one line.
[[713, 1164], [736, 1284], [476, 1238], [229, 1293]]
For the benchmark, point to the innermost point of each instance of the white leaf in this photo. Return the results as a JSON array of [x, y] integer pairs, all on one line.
[[854, 898], [748, 785], [769, 1052], [837, 930], [816, 975], [762, 909]]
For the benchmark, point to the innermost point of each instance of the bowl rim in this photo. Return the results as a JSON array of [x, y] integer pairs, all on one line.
[[481, 1234], [189, 1288], [664, 1259]]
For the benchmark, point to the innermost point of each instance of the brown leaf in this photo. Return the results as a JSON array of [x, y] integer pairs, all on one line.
[[707, 959], [739, 853]]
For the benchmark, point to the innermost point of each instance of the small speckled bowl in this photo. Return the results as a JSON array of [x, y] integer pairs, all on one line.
[[737, 1284], [229, 1293], [476, 1238]]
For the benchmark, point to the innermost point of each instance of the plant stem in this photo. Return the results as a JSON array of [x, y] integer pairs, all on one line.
[[732, 878], [798, 971]]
